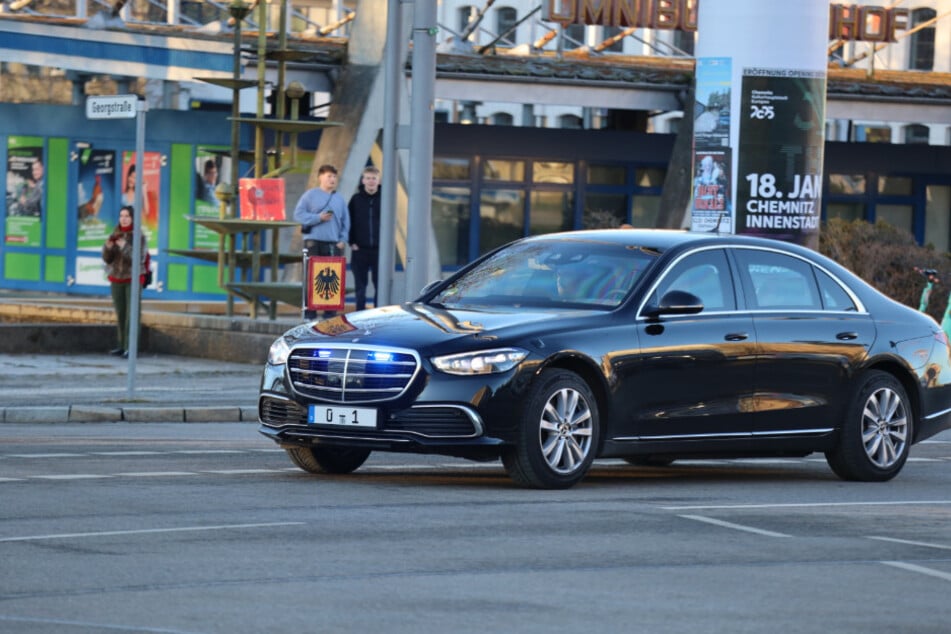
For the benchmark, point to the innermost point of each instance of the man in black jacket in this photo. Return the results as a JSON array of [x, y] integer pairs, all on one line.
[[364, 210]]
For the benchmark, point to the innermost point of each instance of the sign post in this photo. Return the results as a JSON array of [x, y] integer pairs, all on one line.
[[128, 107]]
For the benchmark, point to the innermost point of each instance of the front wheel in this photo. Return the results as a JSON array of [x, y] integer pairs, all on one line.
[[558, 433], [876, 433], [327, 459]]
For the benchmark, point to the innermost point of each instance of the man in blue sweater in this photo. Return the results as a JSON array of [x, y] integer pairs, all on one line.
[[324, 219]]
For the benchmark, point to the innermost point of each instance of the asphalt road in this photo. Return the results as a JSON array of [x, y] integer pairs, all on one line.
[[208, 528]]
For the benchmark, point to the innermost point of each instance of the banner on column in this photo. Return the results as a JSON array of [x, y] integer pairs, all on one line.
[[326, 283], [779, 168], [712, 204]]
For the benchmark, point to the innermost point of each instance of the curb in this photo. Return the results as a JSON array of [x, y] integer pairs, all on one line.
[[134, 414]]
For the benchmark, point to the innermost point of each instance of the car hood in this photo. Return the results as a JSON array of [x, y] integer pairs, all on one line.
[[421, 326]]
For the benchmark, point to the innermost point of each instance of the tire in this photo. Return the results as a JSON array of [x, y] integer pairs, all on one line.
[[876, 433], [649, 461], [558, 433], [327, 459]]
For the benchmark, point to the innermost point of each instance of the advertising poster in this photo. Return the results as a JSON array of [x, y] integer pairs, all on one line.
[[779, 171], [262, 198], [713, 187], [151, 185], [97, 212], [211, 169], [326, 282], [26, 190]]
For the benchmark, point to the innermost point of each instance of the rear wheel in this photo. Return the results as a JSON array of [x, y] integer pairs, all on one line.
[[876, 433], [327, 459], [558, 433]]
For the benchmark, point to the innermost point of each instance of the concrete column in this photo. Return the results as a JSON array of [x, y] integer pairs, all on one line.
[[759, 123], [419, 250]]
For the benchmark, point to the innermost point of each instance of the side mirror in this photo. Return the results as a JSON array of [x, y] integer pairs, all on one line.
[[429, 287], [675, 303]]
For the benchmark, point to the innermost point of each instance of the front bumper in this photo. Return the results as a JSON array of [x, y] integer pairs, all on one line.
[[444, 429]]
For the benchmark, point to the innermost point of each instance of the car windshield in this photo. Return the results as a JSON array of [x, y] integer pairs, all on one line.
[[551, 274]]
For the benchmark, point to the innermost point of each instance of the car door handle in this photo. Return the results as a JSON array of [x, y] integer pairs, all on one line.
[[847, 336], [736, 336]]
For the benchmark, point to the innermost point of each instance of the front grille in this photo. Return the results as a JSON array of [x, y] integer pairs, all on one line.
[[435, 421], [351, 374]]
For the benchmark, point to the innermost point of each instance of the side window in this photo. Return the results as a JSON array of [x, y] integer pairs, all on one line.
[[834, 296], [778, 281], [706, 274]]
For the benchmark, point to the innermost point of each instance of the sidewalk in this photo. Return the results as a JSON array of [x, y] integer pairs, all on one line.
[[84, 388]]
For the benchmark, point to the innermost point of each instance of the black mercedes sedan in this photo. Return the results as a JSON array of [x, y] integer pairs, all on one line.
[[644, 345]]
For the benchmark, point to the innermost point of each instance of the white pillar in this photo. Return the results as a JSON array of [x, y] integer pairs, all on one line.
[[760, 117]]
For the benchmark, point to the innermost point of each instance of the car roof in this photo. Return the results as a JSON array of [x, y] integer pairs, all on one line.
[[666, 239]]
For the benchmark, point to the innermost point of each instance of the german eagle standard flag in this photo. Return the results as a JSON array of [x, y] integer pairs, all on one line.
[[326, 282]]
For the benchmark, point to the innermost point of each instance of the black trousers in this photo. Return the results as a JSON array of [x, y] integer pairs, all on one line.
[[363, 263], [320, 247]]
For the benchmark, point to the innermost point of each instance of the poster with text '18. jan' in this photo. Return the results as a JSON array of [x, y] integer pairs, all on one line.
[[779, 168]]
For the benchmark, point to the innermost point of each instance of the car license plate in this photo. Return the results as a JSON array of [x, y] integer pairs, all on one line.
[[340, 416]]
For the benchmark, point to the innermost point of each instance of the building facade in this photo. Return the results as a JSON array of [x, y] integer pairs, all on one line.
[[584, 142]]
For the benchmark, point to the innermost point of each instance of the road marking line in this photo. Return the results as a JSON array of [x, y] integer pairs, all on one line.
[[126, 453], [154, 474], [75, 625], [44, 455], [200, 452], [739, 527], [908, 541], [920, 569], [239, 471], [72, 476], [11, 479], [147, 531], [801, 505]]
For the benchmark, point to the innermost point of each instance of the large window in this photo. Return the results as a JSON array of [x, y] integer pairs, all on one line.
[[921, 45], [917, 133], [466, 14], [876, 198], [617, 195], [481, 203], [574, 35], [938, 217], [609, 32], [501, 170], [872, 134], [501, 118], [505, 19], [684, 41], [846, 211], [450, 217], [501, 217]]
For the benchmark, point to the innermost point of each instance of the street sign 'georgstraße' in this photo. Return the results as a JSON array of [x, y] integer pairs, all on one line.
[[111, 107]]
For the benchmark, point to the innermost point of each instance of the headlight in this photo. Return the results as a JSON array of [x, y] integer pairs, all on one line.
[[481, 362], [277, 355]]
